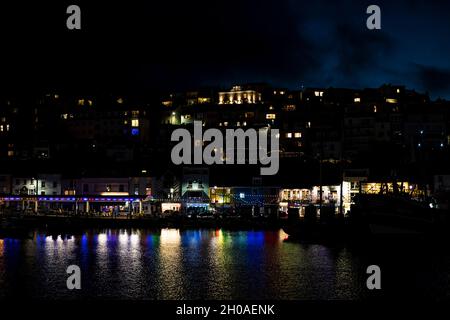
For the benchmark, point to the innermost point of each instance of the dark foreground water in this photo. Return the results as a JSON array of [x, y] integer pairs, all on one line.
[[215, 264]]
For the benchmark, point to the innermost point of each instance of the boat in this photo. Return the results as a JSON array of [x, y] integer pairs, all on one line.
[[394, 215]]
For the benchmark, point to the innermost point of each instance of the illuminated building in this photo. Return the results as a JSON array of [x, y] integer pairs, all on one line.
[[239, 95]]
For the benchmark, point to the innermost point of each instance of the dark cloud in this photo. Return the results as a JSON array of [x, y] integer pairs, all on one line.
[[177, 44], [433, 77]]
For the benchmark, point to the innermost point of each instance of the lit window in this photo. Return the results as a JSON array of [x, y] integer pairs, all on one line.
[[270, 116], [81, 102], [289, 135], [398, 90], [10, 153], [297, 135], [318, 93], [64, 116], [1, 128], [119, 100], [388, 100], [375, 109], [290, 107], [135, 123], [356, 100], [204, 100], [225, 124]]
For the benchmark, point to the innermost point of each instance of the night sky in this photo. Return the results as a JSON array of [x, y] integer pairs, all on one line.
[[136, 46]]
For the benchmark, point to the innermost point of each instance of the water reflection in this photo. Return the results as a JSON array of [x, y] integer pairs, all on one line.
[[176, 264]]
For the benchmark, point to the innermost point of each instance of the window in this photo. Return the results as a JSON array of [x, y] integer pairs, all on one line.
[[135, 123], [318, 93], [357, 100], [121, 188], [289, 107], [55, 184], [297, 135], [42, 184], [42, 193], [85, 187], [289, 135], [270, 116]]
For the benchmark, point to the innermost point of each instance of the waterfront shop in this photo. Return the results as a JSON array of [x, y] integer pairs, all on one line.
[[74, 205], [299, 199]]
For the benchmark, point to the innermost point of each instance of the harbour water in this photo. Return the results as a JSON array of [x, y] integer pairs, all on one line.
[[214, 264]]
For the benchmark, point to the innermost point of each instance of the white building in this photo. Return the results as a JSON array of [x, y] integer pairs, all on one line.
[[41, 184]]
